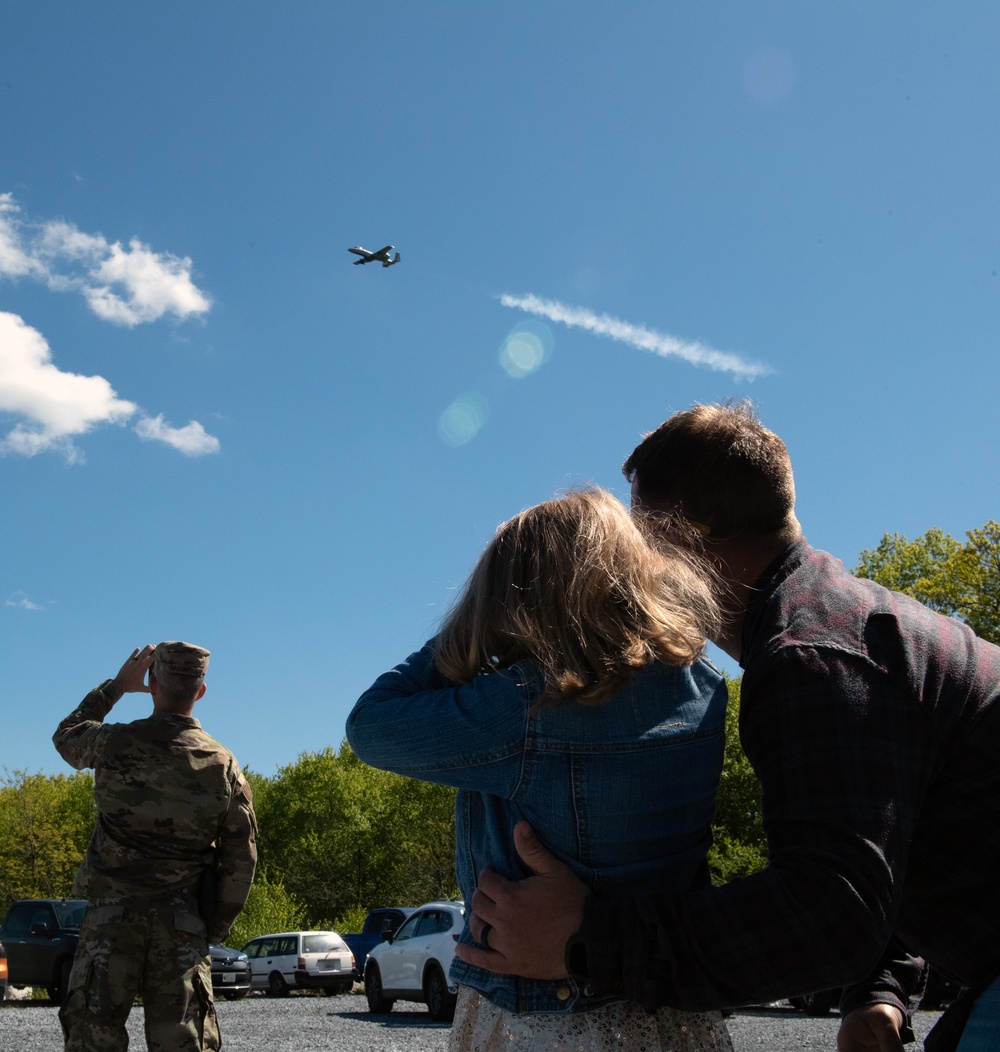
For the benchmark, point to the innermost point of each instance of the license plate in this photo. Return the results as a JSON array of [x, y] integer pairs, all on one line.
[[329, 966], [229, 977]]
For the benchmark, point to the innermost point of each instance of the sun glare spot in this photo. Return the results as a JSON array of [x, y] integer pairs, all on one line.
[[463, 419], [525, 349]]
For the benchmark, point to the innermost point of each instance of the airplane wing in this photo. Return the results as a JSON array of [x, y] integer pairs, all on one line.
[[383, 253]]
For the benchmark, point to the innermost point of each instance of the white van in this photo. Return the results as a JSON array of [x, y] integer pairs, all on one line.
[[297, 960]]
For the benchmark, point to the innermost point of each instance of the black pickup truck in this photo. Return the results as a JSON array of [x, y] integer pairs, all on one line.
[[41, 936]]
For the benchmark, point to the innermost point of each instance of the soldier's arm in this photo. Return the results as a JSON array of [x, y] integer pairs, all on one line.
[[236, 853], [78, 737]]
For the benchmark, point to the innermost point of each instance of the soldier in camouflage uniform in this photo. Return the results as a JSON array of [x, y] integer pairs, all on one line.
[[169, 864]]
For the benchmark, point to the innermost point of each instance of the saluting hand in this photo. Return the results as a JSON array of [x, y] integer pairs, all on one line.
[[132, 674]]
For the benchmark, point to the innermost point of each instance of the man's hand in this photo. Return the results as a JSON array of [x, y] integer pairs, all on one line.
[[873, 1028], [527, 922], [132, 674]]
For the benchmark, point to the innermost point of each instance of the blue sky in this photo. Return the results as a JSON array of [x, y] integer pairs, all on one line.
[[213, 427]]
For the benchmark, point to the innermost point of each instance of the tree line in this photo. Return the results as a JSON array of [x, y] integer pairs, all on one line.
[[337, 838]]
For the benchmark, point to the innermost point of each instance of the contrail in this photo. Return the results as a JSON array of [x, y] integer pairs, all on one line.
[[637, 336]]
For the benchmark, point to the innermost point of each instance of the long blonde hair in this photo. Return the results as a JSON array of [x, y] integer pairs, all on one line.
[[572, 584]]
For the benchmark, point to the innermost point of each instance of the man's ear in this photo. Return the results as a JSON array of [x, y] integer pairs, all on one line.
[[201, 692]]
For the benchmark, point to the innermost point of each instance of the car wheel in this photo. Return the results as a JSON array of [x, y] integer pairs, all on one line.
[[377, 1001], [440, 1003], [818, 1003], [60, 984], [276, 985]]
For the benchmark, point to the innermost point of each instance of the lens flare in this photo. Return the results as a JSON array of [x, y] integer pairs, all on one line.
[[525, 350], [463, 419]]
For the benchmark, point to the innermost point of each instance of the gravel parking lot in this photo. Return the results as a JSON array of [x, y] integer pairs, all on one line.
[[343, 1024]]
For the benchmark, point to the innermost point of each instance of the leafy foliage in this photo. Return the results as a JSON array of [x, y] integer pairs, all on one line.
[[346, 837], [269, 908], [739, 846], [959, 580], [45, 823]]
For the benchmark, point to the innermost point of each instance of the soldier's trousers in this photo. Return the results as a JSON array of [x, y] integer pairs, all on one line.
[[156, 948]]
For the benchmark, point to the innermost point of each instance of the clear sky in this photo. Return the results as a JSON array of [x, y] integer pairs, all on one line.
[[213, 427]]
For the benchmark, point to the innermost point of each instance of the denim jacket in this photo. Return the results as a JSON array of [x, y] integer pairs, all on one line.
[[623, 793]]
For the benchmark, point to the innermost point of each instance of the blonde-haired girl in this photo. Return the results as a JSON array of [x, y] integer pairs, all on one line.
[[567, 688]]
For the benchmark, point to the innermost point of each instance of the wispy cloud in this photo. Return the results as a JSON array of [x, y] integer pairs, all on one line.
[[637, 336], [123, 285], [192, 440], [20, 600], [56, 407]]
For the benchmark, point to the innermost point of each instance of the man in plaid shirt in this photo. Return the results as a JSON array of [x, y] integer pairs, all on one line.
[[874, 727]]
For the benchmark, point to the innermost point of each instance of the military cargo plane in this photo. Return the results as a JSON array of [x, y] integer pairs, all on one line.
[[382, 256]]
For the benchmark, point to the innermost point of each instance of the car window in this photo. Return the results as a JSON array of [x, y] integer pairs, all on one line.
[[288, 945], [70, 914], [446, 920], [322, 943], [429, 923], [408, 929], [42, 915], [20, 915]]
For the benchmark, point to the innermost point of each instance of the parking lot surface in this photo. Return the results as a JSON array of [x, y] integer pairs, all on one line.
[[344, 1024]]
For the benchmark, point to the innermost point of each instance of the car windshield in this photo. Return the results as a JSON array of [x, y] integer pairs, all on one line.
[[322, 943], [71, 913]]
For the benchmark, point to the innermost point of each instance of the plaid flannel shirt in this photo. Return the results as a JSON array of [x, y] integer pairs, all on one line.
[[874, 727]]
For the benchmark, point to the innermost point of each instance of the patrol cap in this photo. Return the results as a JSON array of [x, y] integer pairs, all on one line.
[[185, 659]]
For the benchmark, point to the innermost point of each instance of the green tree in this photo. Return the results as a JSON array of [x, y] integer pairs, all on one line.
[[739, 846], [342, 836], [269, 908], [955, 579], [45, 823]]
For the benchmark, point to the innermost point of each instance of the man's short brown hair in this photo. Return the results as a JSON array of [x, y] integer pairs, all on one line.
[[718, 466]]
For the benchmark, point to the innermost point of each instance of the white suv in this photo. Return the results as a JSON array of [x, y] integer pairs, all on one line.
[[301, 959], [413, 963]]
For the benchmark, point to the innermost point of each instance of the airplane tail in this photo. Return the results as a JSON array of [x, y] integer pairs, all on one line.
[[389, 262]]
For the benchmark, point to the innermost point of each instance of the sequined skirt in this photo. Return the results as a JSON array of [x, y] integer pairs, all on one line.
[[480, 1026]]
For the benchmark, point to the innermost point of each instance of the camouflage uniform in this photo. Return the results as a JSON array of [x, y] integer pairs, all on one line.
[[175, 819]]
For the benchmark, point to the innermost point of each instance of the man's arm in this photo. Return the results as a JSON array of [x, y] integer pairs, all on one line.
[[77, 737], [880, 1007], [236, 860], [528, 921], [874, 1028], [818, 916]]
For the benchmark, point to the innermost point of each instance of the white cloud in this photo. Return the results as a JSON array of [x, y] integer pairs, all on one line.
[[125, 286], [15, 262], [637, 336], [19, 599], [56, 406], [192, 440]]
